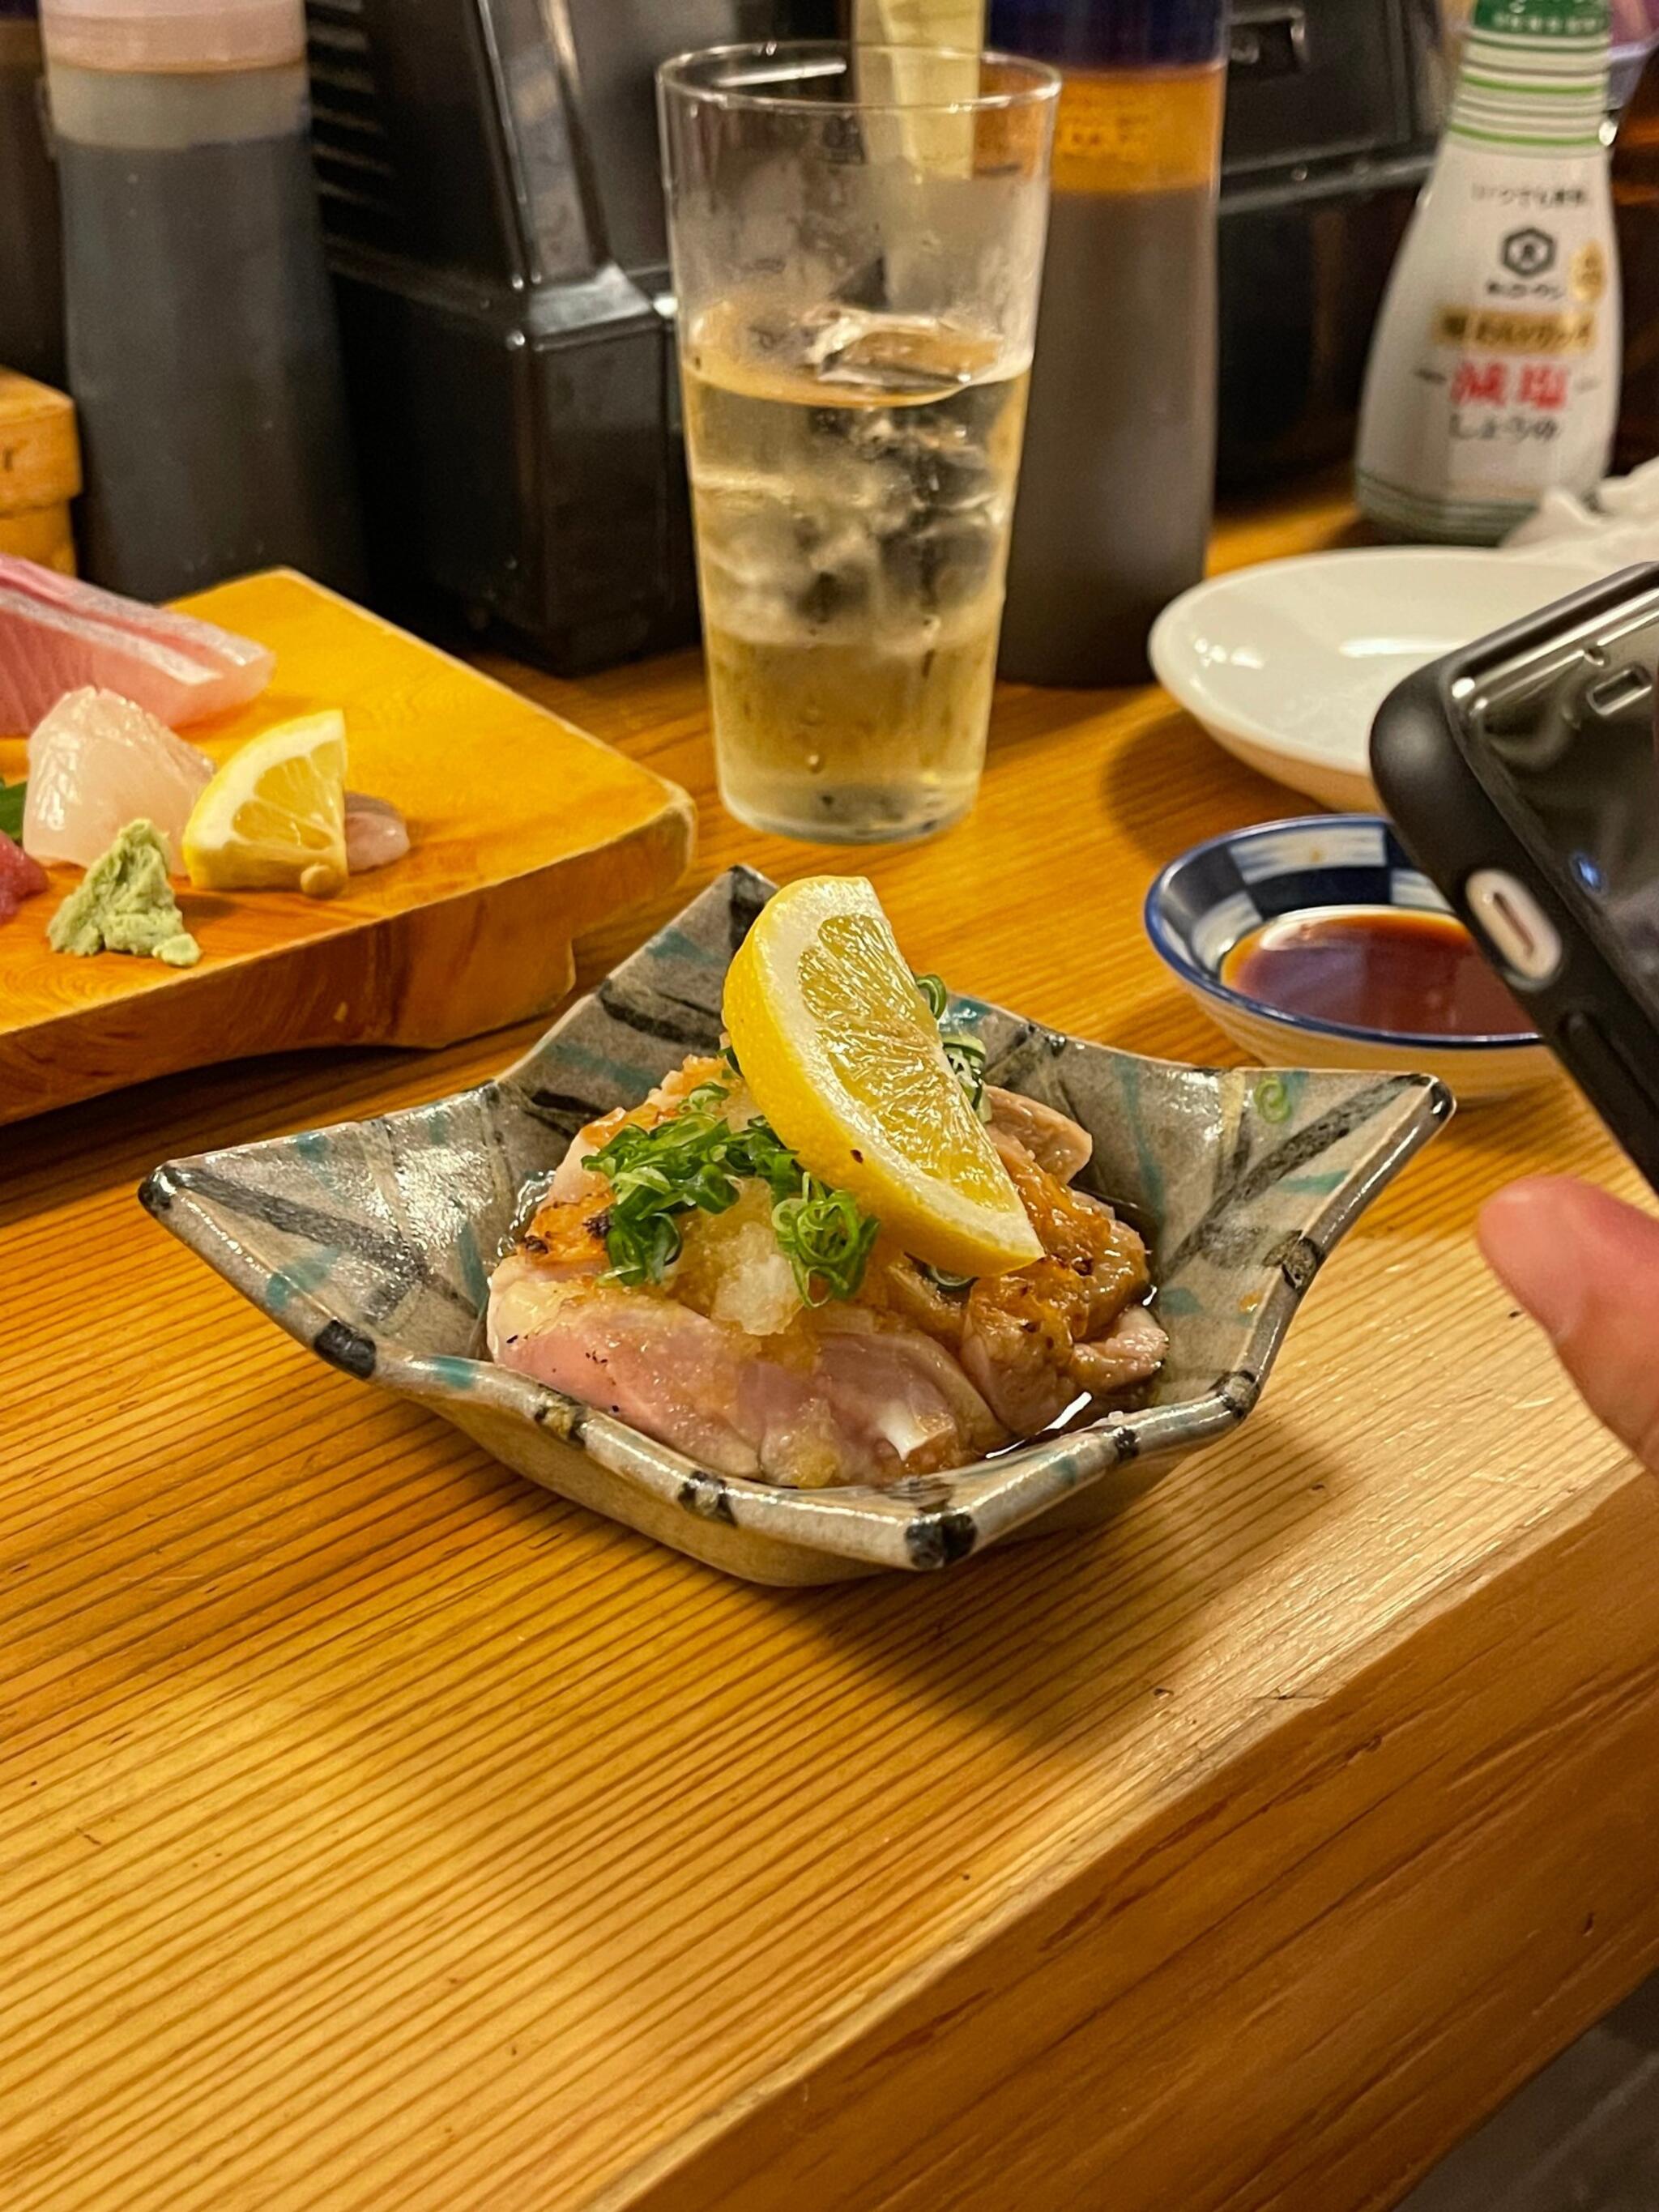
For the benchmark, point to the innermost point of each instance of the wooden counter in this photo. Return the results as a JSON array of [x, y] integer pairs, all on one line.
[[377, 1832]]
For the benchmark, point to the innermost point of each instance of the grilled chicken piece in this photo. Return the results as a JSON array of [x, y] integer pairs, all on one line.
[[1037, 1136], [572, 1181], [1022, 1333], [895, 1284], [1131, 1351], [568, 1240], [1060, 1145], [844, 1395], [723, 1362], [1077, 1229]]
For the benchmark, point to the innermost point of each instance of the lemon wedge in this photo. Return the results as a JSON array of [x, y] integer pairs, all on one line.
[[273, 818], [843, 1058]]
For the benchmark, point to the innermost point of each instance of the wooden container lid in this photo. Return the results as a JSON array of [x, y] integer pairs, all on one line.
[[39, 450]]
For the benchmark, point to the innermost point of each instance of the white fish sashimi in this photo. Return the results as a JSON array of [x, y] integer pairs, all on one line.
[[98, 761], [57, 633]]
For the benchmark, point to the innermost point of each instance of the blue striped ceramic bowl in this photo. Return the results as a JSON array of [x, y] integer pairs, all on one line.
[[370, 1242], [1202, 905]]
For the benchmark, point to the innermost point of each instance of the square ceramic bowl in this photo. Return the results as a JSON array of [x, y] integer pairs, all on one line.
[[371, 1243]]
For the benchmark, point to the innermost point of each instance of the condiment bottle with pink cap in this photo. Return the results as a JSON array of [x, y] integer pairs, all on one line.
[[202, 351]]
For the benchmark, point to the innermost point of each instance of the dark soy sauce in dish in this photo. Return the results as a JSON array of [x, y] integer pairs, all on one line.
[[1376, 968]]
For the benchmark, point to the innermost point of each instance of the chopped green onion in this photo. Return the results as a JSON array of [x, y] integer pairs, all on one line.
[[693, 1161], [656, 1175], [758, 1150], [967, 1057], [965, 1054], [825, 1239]]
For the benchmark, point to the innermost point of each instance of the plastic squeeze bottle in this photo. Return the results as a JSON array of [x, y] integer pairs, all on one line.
[[31, 267], [1494, 371], [1112, 515], [202, 352]]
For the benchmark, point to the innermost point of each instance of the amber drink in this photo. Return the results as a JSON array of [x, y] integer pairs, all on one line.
[[853, 446]]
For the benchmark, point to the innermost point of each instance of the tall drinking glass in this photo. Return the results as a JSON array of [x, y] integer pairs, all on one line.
[[857, 240]]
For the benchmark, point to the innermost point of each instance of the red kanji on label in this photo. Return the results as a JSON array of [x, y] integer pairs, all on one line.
[[1541, 385], [1480, 382]]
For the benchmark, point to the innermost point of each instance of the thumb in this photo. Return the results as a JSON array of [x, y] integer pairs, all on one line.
[[1586, 1266]]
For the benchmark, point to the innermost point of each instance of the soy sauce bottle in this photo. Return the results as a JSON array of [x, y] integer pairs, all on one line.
[[1493, 375], [203, 353], [1112, 518]]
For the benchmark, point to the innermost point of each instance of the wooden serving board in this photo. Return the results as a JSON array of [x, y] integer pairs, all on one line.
[[39, 471], [525, 833]]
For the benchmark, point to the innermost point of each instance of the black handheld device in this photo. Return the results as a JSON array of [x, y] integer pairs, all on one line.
[[1523, 773]]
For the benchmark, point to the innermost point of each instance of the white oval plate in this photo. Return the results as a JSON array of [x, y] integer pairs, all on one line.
[[1285, 663]]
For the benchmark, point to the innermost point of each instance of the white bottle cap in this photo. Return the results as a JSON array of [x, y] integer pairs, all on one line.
[[174, 34]]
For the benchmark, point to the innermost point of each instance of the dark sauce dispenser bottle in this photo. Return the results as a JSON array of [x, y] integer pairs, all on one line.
[[1112, 514], [1636, 214], [30, 263], [203, 353]]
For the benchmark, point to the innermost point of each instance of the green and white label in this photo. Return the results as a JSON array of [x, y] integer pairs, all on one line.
[[1494, 371]]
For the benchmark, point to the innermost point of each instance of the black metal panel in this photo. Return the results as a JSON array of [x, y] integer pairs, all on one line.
[[1333, 108], [488, 177], [617, 45], [1301, 275], [1311, 80]]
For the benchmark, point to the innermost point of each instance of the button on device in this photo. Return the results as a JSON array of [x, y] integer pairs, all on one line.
[[1514, 925]]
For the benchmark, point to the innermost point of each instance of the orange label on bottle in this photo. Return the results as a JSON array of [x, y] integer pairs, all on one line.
[[1142, 130], [1502, 330]]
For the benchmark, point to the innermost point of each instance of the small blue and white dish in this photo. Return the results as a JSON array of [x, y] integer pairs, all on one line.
[[1205, 906]]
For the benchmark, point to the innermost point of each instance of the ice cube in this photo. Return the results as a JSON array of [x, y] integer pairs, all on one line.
[[900, 354], [944, 565]]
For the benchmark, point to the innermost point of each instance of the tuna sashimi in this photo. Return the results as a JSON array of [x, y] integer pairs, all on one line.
[[20, 877], [57, 633], [98, 761]]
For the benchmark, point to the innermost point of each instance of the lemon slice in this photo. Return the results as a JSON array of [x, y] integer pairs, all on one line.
[[843, 1058], [273, 818]]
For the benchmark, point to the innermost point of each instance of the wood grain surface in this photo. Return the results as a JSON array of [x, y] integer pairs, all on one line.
[[40, 471], [524, 833], [42, 534], [40, 445], [377, 1832]]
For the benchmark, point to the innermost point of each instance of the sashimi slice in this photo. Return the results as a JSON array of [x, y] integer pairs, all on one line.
[[20, 877], [48, 651], [376, 835], [57, 633], [98, 761], [218, 649]]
